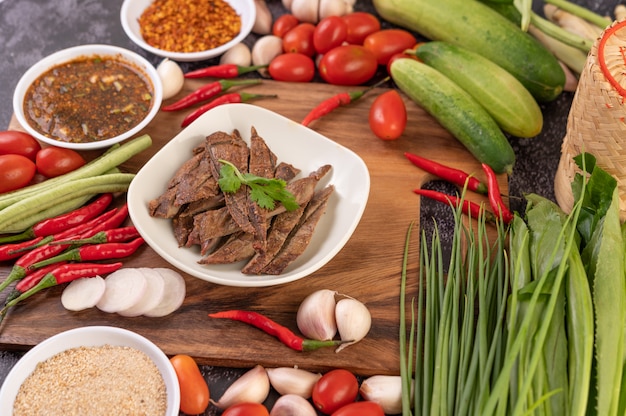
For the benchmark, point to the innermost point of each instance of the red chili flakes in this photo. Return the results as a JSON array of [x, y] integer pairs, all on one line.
[[189, 25]]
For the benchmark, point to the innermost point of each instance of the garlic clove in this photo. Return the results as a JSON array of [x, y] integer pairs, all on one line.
[[384, 390], [287, 4], [263, 21], [289, 380], [305, 10], [171, 76], [265, 49], [316, 315], [292, 405], [252, 387], [353, 321], [334, 8], [238, 55]]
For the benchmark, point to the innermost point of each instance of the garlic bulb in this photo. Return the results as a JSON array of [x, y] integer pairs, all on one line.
[[384, 390], [265, 49], [333, 8], [238, 55], [172, 78], [253, 386], [289, 380], [292, 405], [316, 315], [353, 321], [305, 10], [263, 21]]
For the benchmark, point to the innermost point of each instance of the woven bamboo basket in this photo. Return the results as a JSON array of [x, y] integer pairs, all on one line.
[[597, 119]]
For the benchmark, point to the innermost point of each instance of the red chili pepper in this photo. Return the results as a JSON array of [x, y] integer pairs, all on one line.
[[468, 207], [495, 198], [63, 222], [455, 176], [34, 278], [11, 251], [336, 101], [284, 334], [63, 274], [233, 97], [207, 91], [114, 235], [92, 252], [223, 71]]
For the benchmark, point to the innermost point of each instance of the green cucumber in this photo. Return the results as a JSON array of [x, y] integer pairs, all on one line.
[[456, 111], [510, 104], [479, 28]]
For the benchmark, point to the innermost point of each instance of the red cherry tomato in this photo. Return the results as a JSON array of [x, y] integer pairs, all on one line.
[[348, 65], [400, 55], [283, 24], [13, 142], [334, 390], [300, 39], [360, 24], [292, 67], [365, 408], [246, 409], [387, 116], [194, 391], [329, 33], [385, 43], [16, 171], [54, 161]]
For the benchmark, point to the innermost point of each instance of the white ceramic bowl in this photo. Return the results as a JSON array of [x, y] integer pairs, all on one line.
[[90, 336], [69, 54], [292, 143], [132, 10]]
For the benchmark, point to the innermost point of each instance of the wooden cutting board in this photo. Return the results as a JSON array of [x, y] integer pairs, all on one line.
[[368, 268]]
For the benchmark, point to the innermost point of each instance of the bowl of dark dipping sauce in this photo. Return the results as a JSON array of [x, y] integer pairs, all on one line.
[[88, 97]]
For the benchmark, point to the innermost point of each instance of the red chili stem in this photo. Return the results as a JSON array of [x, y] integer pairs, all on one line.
[[495, 198], [94, 252], [33, 278], [284, 334], [233, 97], [336, 101], [63, 274], [450, 174], [10, 251], [115, 235], [468, 207], [55, 225], [207, 91], [223, 71]]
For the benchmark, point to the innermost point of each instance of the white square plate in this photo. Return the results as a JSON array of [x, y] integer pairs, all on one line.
[[292, 143]]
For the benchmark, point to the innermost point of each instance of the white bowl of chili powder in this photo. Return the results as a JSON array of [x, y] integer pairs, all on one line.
[[93, 370], [188, 30], [88, 97]]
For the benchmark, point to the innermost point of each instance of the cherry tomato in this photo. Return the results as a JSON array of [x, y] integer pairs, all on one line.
[[360, 24], [283, 24], [16, 171], [13, 142], [292, 67], [334, 390], [54, 161], [246, 409], [329, 33], [400, 55], [365, 408], [387, 116], [300, 39], [194, 391], [348, 65], [385, 43]]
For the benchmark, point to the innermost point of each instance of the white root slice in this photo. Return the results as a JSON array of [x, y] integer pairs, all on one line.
[[124, 288], [175, 291], [155, 290], [83, 293]]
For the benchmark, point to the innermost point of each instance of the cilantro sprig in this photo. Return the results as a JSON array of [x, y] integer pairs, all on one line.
[[265, 192]]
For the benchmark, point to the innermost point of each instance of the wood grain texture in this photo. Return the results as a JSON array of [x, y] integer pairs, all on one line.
[[368, 268]]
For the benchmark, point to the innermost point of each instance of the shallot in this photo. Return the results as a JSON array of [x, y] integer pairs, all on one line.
[[252, 387]]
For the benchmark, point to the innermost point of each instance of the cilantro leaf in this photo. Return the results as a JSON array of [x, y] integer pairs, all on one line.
[[264, 191]]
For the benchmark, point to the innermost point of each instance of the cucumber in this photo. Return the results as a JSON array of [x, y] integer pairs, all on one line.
[[509, 103], [456, 111], [479, 28]]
